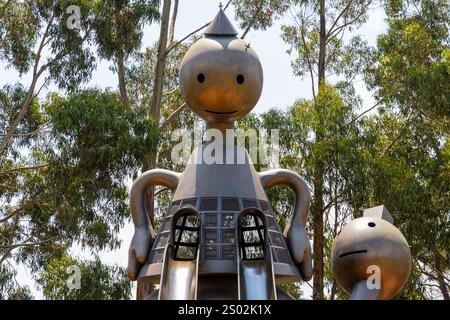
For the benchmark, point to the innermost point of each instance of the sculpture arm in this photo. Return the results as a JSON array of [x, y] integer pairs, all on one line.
[[140, 186], [295, 232], [144, 233]]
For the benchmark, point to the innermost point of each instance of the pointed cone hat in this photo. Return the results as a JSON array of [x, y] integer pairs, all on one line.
[[221, 27]]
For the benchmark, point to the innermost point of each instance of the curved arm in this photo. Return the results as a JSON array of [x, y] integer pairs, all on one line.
[[146, 180], [291, 179]]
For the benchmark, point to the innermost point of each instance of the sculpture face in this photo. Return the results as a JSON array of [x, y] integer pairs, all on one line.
[[371, 241], [221, 78]]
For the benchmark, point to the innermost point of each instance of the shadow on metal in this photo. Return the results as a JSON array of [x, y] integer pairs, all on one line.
[[256, 280], [179, 275]]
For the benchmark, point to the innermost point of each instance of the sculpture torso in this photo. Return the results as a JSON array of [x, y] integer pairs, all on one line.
[[219, 192]]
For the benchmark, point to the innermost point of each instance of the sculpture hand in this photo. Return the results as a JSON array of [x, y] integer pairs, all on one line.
[[300, 249], [139, 249]]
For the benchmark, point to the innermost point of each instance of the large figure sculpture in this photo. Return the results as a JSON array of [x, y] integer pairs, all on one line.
[[219, 238]]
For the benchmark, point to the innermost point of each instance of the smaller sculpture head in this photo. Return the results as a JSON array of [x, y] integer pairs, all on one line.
[[371, 241], [221, 76]]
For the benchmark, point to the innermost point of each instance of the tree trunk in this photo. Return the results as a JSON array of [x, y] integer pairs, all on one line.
[[317, 204], [144, 288], [172, 24], [122, 83], [442, 283], [155, 109]]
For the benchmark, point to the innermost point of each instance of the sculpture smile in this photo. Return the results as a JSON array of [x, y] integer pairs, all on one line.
[[351, 252], [217, 112]]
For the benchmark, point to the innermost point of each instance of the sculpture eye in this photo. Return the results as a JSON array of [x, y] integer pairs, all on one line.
[[371, 224], [240, 79], [201, 78]]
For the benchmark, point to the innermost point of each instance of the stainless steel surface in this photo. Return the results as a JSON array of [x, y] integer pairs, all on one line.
[[221, 26], [144, 233], [361, 291], [370, 241], [379, 212], [227, 180], [295, 232], [221, 80], [223, 61], [256, 279], [178, 278]]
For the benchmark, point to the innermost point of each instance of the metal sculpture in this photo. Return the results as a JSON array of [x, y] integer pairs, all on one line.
[[219, 238], [371, 247]]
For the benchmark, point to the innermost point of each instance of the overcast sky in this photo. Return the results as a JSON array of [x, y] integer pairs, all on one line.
[[280, 89]]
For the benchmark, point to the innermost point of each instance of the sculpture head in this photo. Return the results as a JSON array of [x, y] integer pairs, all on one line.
[[221, 76], [368, 241]]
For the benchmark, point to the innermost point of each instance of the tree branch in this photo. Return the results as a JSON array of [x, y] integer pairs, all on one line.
[[172, 24], [307, 55], [402, 130], [173, 115], [32, 133], [339, 17], [252, 22], [23, 244], [36, 74], [337, 30], [37, 166], [368, 110], [26, 206], [193, 32]]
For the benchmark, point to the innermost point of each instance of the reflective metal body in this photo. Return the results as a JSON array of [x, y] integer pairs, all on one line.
[[371, 241], [256, 278], [221, 81], [178, 279]]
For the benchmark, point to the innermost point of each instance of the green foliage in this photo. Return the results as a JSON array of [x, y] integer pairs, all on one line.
[[119, 25], [346, 58], [259, 14], [19, 25], [9, 288], [412, 69], [99, 142], [11, 98], [79, 194], [97, 281]]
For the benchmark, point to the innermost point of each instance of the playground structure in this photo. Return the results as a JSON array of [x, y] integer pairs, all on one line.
[[219, 238]]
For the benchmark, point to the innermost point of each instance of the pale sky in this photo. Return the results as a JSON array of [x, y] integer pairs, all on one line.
[[280, 89]]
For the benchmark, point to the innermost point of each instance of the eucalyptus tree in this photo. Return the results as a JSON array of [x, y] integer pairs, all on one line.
[[316, 39], [97, 281], [30, 28], [119, 27], [410, 75]]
